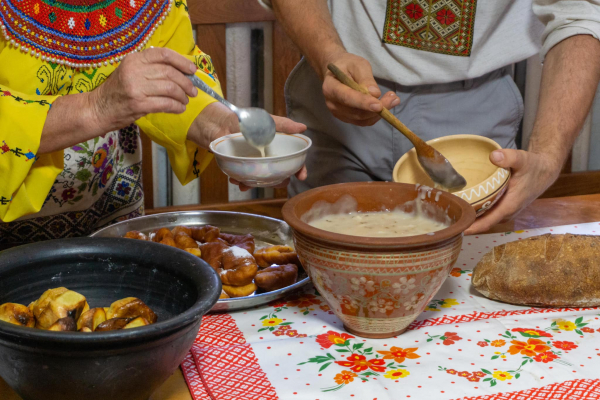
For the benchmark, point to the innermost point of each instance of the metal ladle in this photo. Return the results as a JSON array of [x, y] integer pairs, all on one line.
[[256, 124], [433, 162]]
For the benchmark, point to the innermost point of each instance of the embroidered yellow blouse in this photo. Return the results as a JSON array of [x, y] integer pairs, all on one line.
[[26, 178]]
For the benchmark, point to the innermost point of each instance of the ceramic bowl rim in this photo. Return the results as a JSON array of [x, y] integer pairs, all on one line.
[[121, 338], [214, 143], [467, 218], [454, 137]]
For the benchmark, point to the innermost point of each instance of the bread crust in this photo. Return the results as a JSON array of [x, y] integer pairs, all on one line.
[[542, 271]]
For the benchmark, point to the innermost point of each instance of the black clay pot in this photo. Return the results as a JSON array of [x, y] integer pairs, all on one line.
[[118, 365]]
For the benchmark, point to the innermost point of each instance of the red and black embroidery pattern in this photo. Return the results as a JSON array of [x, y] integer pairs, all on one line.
[[439, 26]]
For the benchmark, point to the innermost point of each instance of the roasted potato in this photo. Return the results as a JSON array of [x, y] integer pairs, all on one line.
[[58, 303], [85, 330], [130, 307], [66, 324], [136, 323], [17, 314], [91, 319], [113, 324]]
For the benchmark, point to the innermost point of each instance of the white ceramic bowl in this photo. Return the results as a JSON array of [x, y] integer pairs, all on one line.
[[284, 157]]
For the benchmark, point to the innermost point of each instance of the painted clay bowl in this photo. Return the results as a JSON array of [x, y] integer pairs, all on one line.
[[469, 154], [237, 159], [378, 286]]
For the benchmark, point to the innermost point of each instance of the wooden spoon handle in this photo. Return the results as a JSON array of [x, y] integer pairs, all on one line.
[[421, 146]]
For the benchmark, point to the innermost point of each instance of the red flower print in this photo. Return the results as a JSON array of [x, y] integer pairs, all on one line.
[[278, 304], [292, 333], [68, 194], [344, 377], [5, 148], [6, 93], [545, 357], [302, 335], [498, 343], [566, 346], [284, 328], [482, 344], [451, 338], [414, 11], [399, 355], [279, 333], [455, 272], [587, 330], [479, 374], [326, 340], [303, 301], [451, 371], [446, 17], [534, 333], [530, 349], [473, 379], [464, 374], [359, 363]]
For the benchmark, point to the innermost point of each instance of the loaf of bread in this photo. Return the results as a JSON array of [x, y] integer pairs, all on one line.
[[543, 271]]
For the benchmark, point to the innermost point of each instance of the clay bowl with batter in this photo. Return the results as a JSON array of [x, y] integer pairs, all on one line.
[[378, 286]]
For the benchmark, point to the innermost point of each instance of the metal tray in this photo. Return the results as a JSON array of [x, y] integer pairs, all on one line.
[[266, 231]]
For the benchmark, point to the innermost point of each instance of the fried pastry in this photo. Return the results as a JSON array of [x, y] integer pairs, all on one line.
[[135, 235], [245, 242], [160, 234], [238, 267], [276, 277], [181, 228], [212, 253], [195, 252], [184, 241], [206, 233], [223, 295], [276, 255], [240, 291]]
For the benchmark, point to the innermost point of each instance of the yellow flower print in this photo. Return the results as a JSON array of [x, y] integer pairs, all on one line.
[[565, 325], [449, 303], [501, 375], [396, 374], [102, 20], [431, 309], [500, 354], [272, 321]]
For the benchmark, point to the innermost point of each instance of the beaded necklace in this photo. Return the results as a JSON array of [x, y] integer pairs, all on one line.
[[81, 33]]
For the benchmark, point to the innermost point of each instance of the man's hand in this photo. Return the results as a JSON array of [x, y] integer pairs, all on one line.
[[532, 174], [347, 104]]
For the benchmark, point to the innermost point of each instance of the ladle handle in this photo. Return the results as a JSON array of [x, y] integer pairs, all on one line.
[[199, 83], [385, 113]]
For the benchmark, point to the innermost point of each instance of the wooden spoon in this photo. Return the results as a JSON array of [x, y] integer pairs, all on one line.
[[433, 162]]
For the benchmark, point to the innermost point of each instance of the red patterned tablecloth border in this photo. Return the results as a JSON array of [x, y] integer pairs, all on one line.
[[578, 389], [479, 315], [225, 365], [192, 378]]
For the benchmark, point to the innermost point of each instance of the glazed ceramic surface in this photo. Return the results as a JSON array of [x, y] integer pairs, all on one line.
[[469, 154], [284, 157], [378, 286]]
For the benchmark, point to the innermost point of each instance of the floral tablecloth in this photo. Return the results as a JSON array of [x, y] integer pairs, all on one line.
[[463, 346]]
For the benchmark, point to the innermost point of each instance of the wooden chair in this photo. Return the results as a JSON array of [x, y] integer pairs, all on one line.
[[210, 19]]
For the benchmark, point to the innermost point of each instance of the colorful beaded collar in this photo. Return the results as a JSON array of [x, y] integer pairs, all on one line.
[[81, 33]]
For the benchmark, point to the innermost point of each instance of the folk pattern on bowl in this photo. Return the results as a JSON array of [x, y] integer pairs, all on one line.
[[377, 294], [483, 196]]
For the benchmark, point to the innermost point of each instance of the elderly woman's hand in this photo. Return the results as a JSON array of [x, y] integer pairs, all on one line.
[[152, 81], [216, 120]]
